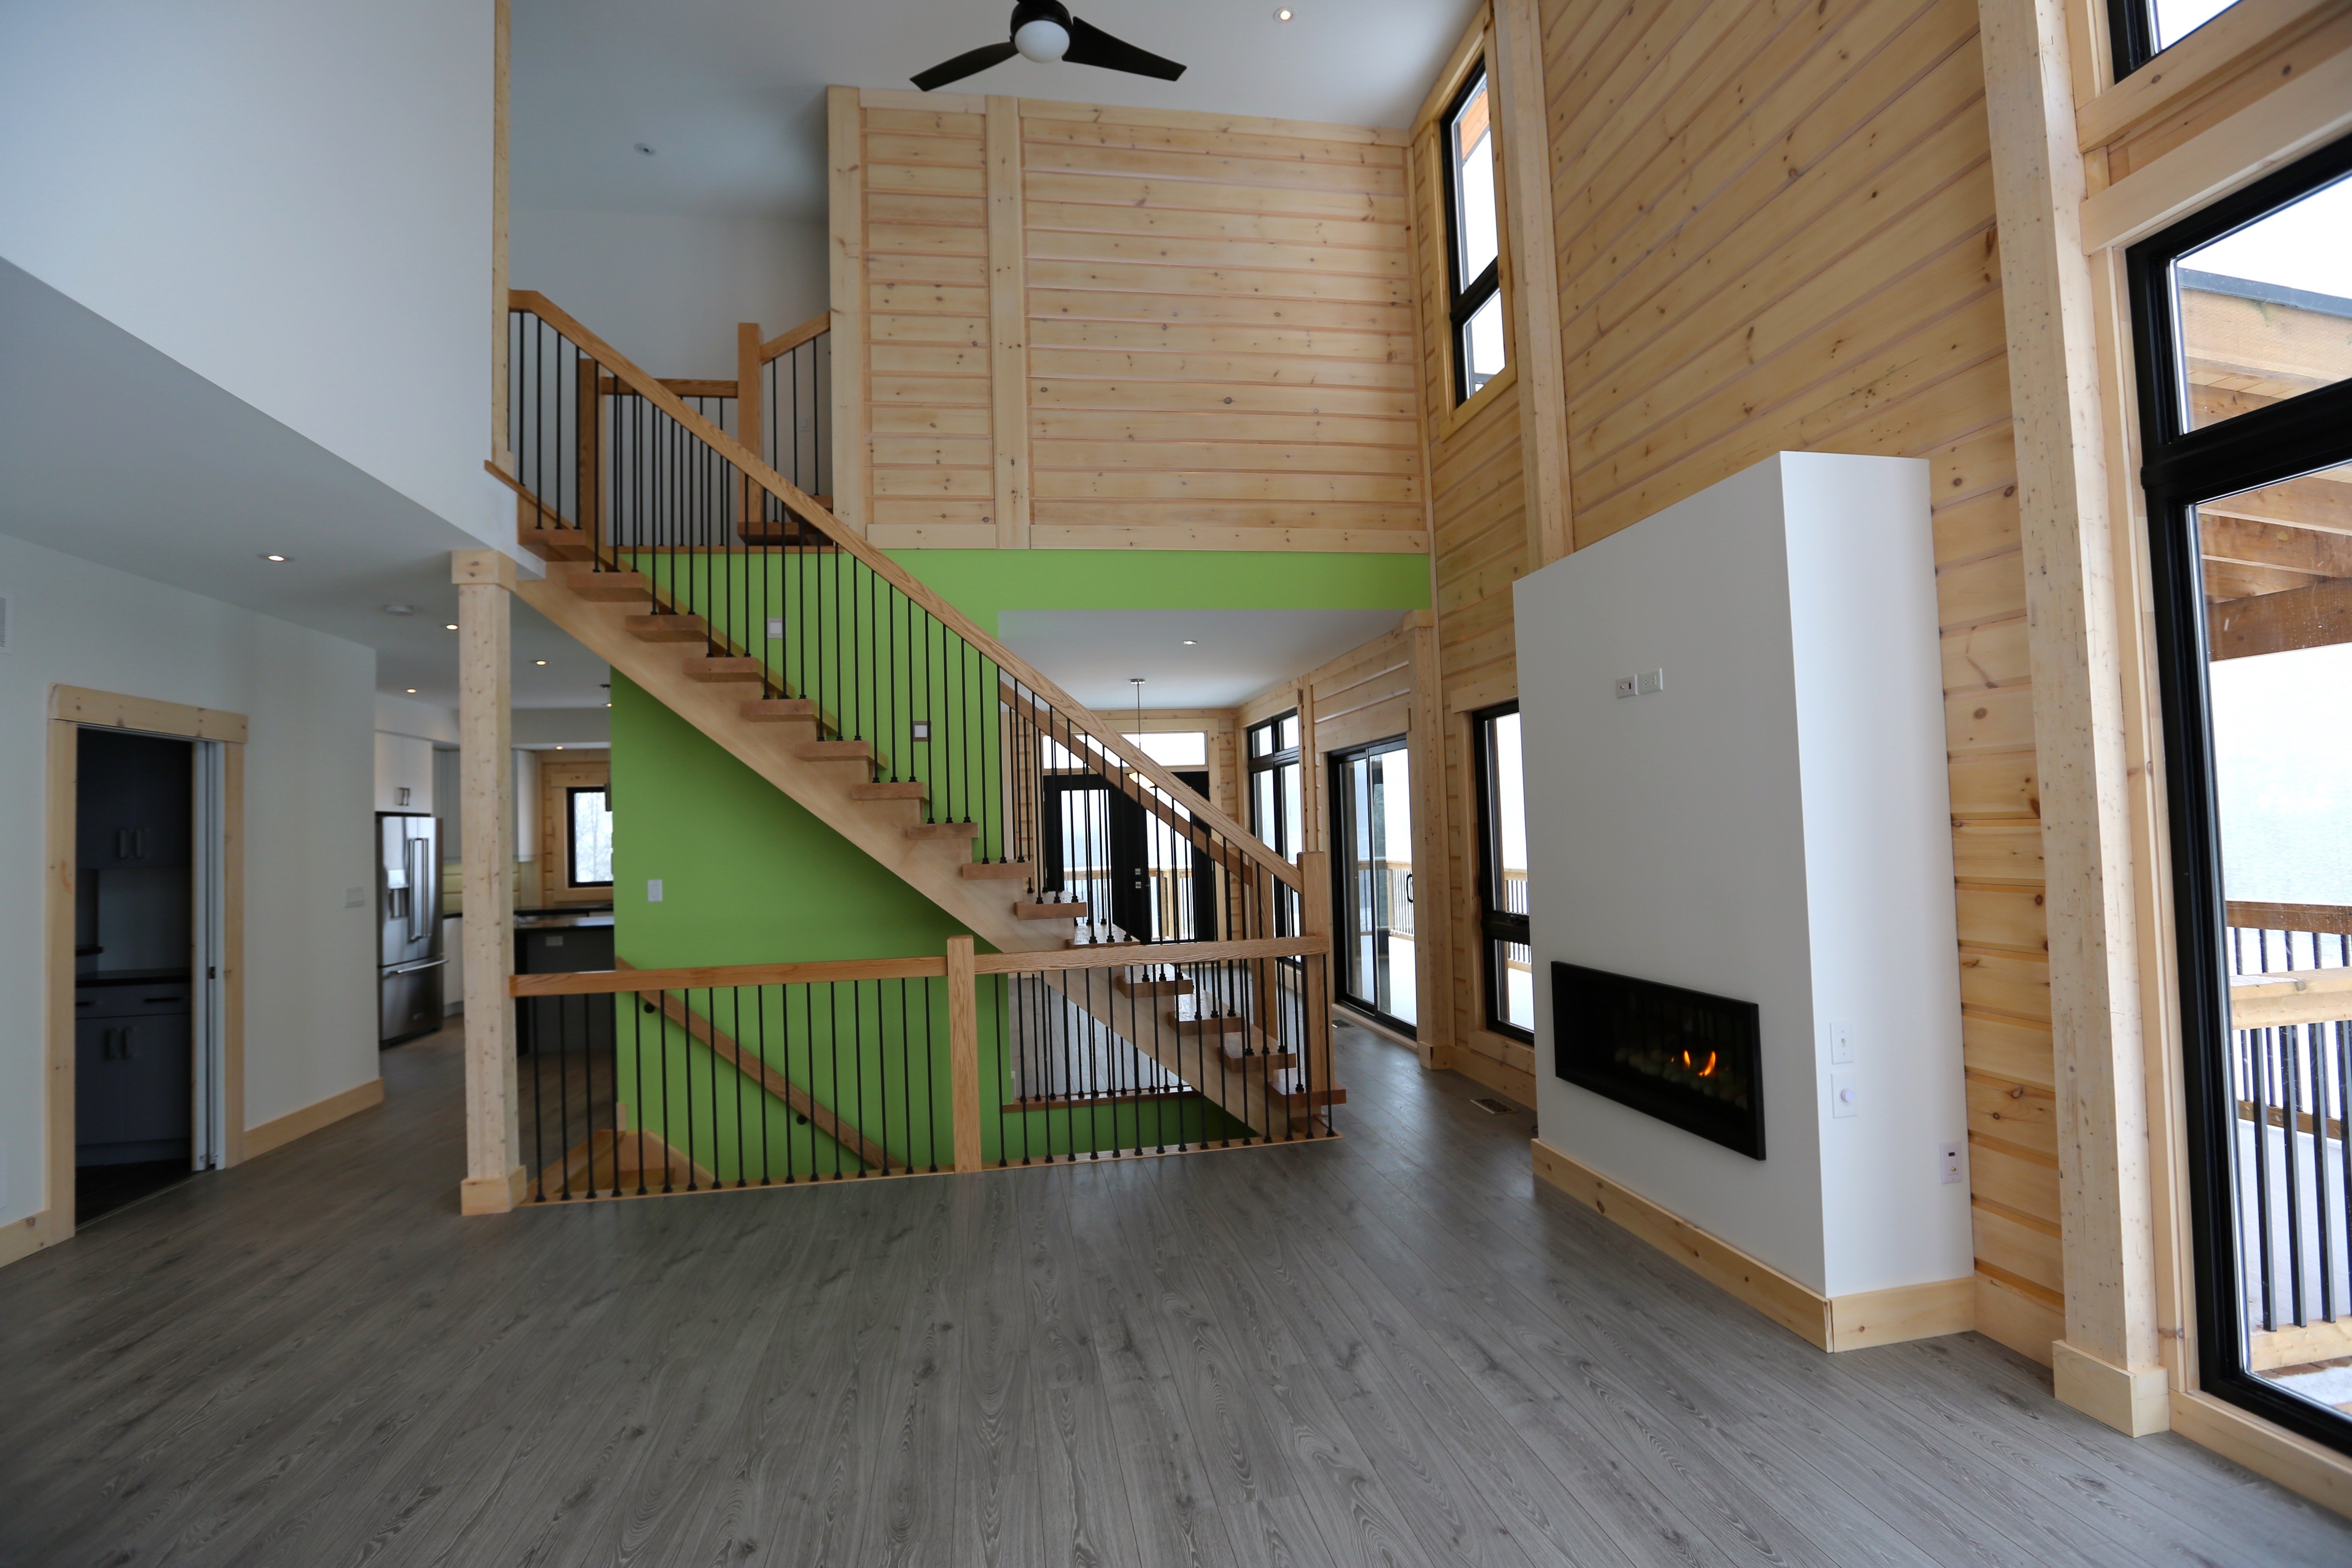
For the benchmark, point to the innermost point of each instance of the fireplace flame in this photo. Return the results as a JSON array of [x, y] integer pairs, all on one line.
[[1706, 1071]]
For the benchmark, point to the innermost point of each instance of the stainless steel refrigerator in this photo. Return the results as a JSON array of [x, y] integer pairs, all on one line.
[[408, 914]]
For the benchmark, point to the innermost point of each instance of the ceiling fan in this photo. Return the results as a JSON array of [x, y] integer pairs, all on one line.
[[1045, 30]]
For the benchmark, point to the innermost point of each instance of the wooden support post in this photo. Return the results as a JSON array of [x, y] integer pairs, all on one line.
[[2108, 1364], [845, 141], [485, 579], [588, 411], [1526, 146], [1008, 325], [1310, 773], [749, 417], [1315, 919], [963, 1051]]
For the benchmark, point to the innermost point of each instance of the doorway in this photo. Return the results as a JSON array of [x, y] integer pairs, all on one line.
[[1134, 869], [147, 1110], [1372, 863]]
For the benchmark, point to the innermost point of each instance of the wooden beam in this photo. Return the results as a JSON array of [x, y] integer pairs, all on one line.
[[2205, 58], [2270, 132], [2314, 501], [2274, 544], [963, 1052], [1432, 898], [2108, 1364], [2317, 617], [1526, 146], [485, 578], [1008, 325], [628, 977], [1131, 954], [845, 141]]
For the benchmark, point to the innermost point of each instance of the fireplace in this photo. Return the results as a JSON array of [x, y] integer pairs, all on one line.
[[1683, 1057]]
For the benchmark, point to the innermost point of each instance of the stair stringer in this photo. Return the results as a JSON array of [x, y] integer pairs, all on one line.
[[933, 866]]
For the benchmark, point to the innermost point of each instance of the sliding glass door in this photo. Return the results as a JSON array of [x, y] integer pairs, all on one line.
[[1372, 842]]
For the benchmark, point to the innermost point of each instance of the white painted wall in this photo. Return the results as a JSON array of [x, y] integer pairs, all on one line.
[[668, 289], [290, 197], [1774, 827], [310, 962]]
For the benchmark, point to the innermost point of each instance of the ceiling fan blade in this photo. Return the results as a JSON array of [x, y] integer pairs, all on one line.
[[1090, 46], [964, 65]]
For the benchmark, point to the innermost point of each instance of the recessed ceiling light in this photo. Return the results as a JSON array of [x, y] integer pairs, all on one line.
[[273, 555], [539, 661], [412, 691], [1282, 14], [400, 609], [559, 748], [450, 627], [1191, 642]]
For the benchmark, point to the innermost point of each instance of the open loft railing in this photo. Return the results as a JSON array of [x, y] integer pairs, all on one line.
[[634, 1082], [2290, 971], [619, 470]]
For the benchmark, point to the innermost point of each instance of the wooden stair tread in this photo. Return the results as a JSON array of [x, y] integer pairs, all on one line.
[[607, 587], [556, 543], [669, 628], [1025, 911], [724, 669], [903, 789], [835, 750], [944, 830], [1161, 986], [983, 870], [1251, 1061], [778, 710], [1217, 1024]]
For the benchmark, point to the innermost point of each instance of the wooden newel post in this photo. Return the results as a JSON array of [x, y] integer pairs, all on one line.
[[1315, 920], [963, 1051], [493, 1175]]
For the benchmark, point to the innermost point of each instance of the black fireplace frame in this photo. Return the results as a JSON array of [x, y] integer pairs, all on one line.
[[1581, 1042]]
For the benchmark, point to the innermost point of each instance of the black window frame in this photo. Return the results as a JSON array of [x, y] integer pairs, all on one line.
[[1286, 914], [2181, 467], [2131, 33], [1342, 821], [1497, 925], [1464, 301], [572, 834]]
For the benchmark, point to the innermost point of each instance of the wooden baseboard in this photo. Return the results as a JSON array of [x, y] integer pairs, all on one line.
[[282, 1130], [2134, 1402], [2298, 1464], [1500, 1077], [23, 1237], [2025, 1323], [492, 1195], [1827, 1323]]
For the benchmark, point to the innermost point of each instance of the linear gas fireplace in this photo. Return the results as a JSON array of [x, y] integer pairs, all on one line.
[[1681, 1056]]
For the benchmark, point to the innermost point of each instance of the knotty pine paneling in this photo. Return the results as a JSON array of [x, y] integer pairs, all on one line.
[[1774, 230], [1221, 338], [931, 478]]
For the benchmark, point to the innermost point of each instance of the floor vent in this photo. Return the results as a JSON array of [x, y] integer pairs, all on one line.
[[1494, 1107]]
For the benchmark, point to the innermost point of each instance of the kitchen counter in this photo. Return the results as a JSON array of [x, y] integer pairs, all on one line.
[[560, 920]]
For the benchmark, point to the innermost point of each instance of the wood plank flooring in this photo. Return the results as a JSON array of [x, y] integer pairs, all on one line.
[[1389, 1349]]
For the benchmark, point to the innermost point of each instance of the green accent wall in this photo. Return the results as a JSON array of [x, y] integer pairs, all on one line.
[[981, 583]]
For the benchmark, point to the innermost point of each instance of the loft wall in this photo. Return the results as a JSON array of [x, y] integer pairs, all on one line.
[[1773, 229], [1098, 328]]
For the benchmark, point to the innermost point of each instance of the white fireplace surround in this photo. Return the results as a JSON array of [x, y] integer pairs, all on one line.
[[1774, 825]]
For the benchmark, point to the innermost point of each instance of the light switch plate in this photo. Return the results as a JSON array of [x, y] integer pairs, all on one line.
[[652, 889], [923, 729], [775, 627], [1845, 1094]]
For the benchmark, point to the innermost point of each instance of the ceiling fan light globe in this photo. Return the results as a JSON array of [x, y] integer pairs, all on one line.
[[1042, 40]]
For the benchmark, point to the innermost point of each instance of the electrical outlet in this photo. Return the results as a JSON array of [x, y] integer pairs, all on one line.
[[1627, 687], [652, 889], [1650, 682], [775, 627], [1956, 1170]]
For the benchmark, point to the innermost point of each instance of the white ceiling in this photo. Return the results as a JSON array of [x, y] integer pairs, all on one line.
[[1237, 653], [212, 483], [730, 94]]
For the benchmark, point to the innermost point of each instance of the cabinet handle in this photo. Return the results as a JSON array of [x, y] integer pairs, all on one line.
[[122, 844], [139, 843], [127, 1032]]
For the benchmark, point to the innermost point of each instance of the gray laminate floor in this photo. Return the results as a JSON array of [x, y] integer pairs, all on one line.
[[1391, 1350]]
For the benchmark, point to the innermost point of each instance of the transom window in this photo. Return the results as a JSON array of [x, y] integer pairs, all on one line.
[[2144, 29], [1474, 258]]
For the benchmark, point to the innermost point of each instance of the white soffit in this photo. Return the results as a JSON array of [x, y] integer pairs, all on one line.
[[1235, 654]]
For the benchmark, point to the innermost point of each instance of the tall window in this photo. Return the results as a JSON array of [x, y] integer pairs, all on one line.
[[1503, 873], [2144, 29], [2243, 318], [589, 832], [1273, 802], [1473, 259]]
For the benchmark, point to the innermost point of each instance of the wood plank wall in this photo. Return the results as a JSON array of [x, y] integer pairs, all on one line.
[[925, 247], [1216, 313], [1774, 230]]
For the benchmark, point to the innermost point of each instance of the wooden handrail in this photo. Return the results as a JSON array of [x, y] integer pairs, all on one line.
[[2335, 920], [777, 347], [1101, 955], [805, 506]]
